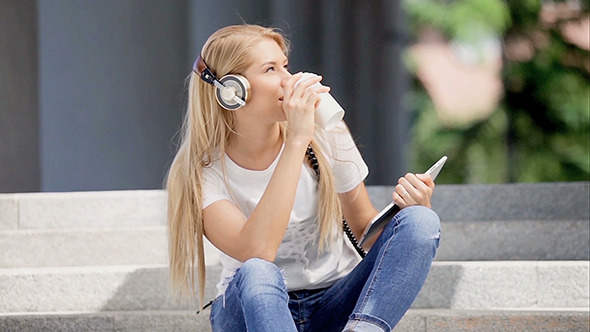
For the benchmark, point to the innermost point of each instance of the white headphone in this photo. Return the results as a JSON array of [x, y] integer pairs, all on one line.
[[231, 91]]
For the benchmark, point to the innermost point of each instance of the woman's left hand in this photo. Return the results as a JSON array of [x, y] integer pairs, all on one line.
[[413, 189]]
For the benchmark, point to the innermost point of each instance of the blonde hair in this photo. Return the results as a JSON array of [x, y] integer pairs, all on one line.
[[206, 130]]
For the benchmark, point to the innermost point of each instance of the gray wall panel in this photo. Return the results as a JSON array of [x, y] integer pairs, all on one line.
[[111, 77]]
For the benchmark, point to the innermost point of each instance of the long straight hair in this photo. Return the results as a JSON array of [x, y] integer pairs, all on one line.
[[206, 130]]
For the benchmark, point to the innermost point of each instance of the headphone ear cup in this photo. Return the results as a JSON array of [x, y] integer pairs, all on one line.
[[241, 89]]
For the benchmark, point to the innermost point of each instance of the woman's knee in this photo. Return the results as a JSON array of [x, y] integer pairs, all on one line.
[[258, 265], [258, 275], [423, 224]]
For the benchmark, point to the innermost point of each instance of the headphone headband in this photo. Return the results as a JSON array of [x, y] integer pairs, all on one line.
[[200, 68]]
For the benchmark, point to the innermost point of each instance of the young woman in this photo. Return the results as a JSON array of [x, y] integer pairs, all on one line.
[[269, 188]]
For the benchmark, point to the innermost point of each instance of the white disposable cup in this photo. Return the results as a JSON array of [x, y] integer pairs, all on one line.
[[329, 113]]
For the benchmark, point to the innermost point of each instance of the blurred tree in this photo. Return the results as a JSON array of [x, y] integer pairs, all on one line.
[[539, 130]]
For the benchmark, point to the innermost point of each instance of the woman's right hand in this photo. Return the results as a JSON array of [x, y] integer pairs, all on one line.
[[299, 103]]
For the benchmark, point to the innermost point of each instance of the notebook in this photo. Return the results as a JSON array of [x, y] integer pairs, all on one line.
[[381, 220]]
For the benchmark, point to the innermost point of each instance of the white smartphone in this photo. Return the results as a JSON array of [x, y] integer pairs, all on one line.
[[381, 220]]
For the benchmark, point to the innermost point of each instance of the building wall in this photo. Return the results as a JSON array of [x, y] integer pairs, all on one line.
[[109, 78]]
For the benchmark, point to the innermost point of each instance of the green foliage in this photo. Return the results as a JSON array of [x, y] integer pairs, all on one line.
[[540, 131], [476, 154], [461, 19]]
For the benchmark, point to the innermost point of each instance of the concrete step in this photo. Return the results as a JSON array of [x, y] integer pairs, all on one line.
[[88, 246], [416, 320], [108, 321], [441, 320], [525, 221], [92, 209], [529, 201], [453, 285], [468, 241], [76, 247], [514, 240], [515, 201], [96, 288], [501, 222], [506, 284]]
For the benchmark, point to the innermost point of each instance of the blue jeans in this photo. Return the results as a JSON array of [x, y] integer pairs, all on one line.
[[373, 297]]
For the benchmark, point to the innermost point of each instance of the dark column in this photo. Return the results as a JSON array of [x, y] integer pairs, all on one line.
[[19, 116], [392, 119], [362, 45]]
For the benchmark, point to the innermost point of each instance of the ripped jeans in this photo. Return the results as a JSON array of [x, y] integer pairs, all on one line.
[[373, 297]]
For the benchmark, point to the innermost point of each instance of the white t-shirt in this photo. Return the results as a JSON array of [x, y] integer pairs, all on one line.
[[298, 257]]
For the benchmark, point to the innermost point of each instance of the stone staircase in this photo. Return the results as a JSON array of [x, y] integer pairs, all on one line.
[[512, 257]]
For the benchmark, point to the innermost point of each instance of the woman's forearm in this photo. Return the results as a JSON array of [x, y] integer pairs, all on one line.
[[271, 216]]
